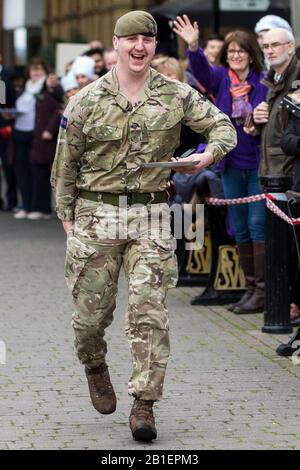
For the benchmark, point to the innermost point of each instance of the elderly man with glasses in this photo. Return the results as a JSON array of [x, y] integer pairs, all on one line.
[[279, 49], [276, 168]]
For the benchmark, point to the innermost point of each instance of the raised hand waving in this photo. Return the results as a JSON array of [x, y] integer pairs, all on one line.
[[187, 31]]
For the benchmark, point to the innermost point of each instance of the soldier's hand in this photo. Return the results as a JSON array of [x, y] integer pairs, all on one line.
[[205, 159], [68, 226], [261, 113], [187, 31]]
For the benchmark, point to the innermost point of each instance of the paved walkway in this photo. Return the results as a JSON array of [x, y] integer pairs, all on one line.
[[225, 387]]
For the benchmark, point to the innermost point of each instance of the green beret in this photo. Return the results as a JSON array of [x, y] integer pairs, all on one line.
[[136, 22]]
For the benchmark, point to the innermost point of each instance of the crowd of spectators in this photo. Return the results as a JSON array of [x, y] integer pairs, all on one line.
[[29, 124], [246, 74]]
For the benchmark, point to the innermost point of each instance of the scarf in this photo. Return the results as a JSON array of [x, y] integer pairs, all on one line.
[[32, 89], [241, 107]]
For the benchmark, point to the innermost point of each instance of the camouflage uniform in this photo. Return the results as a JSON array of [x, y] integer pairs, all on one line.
[[102, 141]]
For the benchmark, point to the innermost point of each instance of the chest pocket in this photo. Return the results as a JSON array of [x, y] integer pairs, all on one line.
[[164, 131], [103, 142]]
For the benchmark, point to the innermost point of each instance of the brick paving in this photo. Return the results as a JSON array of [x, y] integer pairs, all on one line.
[[225, 386]]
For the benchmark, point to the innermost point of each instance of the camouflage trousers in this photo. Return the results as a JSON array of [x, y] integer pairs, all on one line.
[[96, 250]]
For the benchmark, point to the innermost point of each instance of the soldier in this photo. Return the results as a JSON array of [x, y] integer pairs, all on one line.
[[131, 115]]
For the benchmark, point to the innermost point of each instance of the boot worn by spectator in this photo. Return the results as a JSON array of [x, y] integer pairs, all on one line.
[[101, 390], [141, 420], [293, 346], [245, 251], [256, 302]]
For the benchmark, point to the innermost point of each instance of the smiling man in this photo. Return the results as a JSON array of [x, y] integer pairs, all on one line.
[[129, 117]]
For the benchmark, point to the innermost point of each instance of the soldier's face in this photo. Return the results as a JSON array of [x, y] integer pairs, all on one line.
[[135, 53]]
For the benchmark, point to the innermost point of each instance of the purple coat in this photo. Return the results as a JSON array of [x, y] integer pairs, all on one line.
[[47, 118], [245, 156]]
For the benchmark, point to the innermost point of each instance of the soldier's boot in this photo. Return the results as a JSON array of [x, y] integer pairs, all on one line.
[[245, 251], [141, 421], [256, 303], [101, 390]]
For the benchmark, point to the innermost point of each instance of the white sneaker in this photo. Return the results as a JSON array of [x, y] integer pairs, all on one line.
[[20, 214], [38, 216], [47, 216]]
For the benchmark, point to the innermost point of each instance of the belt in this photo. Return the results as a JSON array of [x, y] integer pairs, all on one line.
[[132, 198]]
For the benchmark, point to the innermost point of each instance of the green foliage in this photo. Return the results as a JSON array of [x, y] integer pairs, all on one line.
[[48, 51], [76, 36]]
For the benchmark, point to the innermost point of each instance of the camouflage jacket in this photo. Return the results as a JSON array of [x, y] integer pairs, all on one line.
[[103, 138]]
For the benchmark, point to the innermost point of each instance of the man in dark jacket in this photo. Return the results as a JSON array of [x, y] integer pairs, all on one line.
[[6, 101], [279, 49], [290, 144]]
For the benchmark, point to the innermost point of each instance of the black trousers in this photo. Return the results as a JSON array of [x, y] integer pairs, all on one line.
[[23, 141], [9, 175], [41, 188], [294, 258]]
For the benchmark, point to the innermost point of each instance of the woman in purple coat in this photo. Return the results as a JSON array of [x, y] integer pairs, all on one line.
[[236, 86]]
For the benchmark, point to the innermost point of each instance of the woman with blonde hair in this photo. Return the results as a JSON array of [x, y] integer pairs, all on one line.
[[170, 67]]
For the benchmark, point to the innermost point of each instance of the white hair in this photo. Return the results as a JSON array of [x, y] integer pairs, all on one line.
[[289, 36]]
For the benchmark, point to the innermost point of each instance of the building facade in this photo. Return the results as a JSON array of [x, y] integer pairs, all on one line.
[[92, 19], [21, 32], [95, 19], [29, 26], [1, 25]]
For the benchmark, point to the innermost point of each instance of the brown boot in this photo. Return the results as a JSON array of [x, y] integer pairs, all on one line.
[[246, 259], [256, 303], [101, 390], [141, 421]]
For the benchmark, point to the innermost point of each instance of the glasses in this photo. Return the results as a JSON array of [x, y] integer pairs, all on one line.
[[273, 45], [239, 52]]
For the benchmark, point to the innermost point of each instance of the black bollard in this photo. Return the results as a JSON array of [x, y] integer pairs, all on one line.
[[277, 308]]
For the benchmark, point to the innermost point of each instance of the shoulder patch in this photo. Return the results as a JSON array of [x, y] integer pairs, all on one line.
[[64, 122]]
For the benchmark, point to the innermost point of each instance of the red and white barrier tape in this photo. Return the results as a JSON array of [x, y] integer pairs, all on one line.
[[213, 201], [269, 197]]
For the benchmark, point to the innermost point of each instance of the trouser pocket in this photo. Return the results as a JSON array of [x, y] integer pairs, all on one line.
[[168, 259], [77, 257]]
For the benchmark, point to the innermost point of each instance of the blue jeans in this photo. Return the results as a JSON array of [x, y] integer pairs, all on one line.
[[248, 219]]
